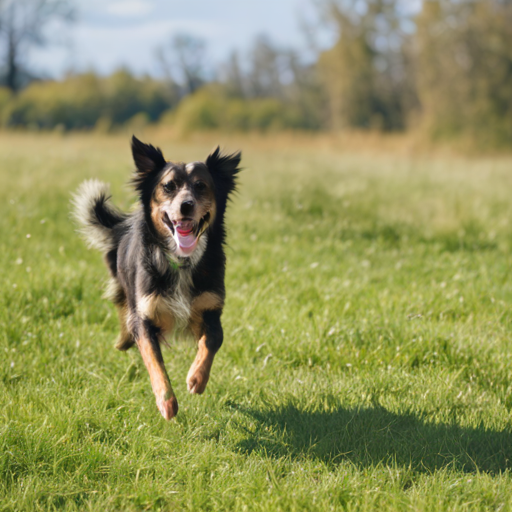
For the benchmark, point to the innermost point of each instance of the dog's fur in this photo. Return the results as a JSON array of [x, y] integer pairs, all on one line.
[[166, 259]]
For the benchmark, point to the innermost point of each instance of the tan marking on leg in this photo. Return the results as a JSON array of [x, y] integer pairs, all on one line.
[[162, 389], [199, 372], [207, 301], [125, 340]]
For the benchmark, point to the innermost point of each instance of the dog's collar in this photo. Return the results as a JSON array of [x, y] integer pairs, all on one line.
[[180, 264]]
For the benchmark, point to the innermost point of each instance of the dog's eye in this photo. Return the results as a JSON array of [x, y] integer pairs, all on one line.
[[199, 186], [170, 186]]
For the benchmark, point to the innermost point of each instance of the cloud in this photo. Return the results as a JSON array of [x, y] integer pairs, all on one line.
[[130, 8]]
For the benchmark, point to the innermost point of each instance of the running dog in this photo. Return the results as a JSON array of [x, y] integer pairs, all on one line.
[[166, 259]]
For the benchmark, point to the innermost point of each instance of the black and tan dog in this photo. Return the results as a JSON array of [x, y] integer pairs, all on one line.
[[166, 259]]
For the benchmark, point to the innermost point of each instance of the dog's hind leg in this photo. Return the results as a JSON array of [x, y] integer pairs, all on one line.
[[125, 340], [149, 346], [116, 294]]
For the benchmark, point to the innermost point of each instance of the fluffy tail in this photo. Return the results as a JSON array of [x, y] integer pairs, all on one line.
[[95, 214]]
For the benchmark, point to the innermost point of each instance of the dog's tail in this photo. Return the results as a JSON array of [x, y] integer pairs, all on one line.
[[96, 215]]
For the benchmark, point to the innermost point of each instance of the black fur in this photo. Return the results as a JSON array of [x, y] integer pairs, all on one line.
[[213, 330], [148, 162]]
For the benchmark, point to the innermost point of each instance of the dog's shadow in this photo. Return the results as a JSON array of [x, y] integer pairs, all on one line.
[[371, 436]]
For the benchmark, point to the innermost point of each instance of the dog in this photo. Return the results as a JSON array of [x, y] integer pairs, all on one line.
[[166, 259]]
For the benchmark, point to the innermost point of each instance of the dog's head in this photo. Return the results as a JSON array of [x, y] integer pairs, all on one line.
[[182, 201]]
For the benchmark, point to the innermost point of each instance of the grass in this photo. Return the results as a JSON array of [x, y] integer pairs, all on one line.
[[367, 356]]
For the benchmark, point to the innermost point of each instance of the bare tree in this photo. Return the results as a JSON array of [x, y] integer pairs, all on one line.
[[232, 76], [267, 66], [184, 61], [22, 25]]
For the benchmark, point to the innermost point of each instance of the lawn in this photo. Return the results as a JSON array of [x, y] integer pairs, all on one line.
[[367, 358]]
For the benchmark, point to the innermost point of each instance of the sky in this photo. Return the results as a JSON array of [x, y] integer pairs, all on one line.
[[109, 34]]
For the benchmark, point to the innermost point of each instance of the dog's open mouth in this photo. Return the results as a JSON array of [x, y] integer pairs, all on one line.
[[186, 232]]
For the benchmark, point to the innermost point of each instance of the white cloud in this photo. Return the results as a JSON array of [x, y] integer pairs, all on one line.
[[130, 8]]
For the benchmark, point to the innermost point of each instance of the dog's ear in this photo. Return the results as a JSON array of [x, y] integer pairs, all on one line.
[[148, 160], [224, 169]]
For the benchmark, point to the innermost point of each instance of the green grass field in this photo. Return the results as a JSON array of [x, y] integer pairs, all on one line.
[[366, 362]]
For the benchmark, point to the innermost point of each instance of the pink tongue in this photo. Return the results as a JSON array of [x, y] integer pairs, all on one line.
[[185, 241]]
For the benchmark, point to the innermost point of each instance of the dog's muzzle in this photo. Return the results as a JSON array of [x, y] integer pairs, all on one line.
[[186, 232]]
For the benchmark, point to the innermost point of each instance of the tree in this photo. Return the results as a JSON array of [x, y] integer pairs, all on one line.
[[266, 66], [184, 61], [231, 75], [22, 25], [366, 73], [464, 55]]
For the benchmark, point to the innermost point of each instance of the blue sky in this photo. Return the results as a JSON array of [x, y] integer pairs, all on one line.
[[112, 33]]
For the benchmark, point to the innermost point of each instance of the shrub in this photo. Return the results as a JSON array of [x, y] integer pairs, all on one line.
[[210, 108], [85, 101]]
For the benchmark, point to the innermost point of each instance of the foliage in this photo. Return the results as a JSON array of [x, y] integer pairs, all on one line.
[[210, 108], [465, 70], [5, 97], [81, 101], [366, 72], [269, 72]]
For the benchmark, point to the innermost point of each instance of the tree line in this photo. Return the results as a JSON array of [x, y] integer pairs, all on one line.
[[444, 68]]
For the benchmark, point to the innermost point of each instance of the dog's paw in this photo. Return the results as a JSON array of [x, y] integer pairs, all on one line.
[[168, 408], [197, 379]]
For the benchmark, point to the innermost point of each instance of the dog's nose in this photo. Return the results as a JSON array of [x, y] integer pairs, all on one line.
[[187, 207]]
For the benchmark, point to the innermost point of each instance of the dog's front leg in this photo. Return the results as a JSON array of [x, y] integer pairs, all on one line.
[[149, 347], [210, 340]]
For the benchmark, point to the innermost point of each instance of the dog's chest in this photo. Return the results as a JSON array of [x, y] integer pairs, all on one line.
[[172, 309], [178, 302]]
